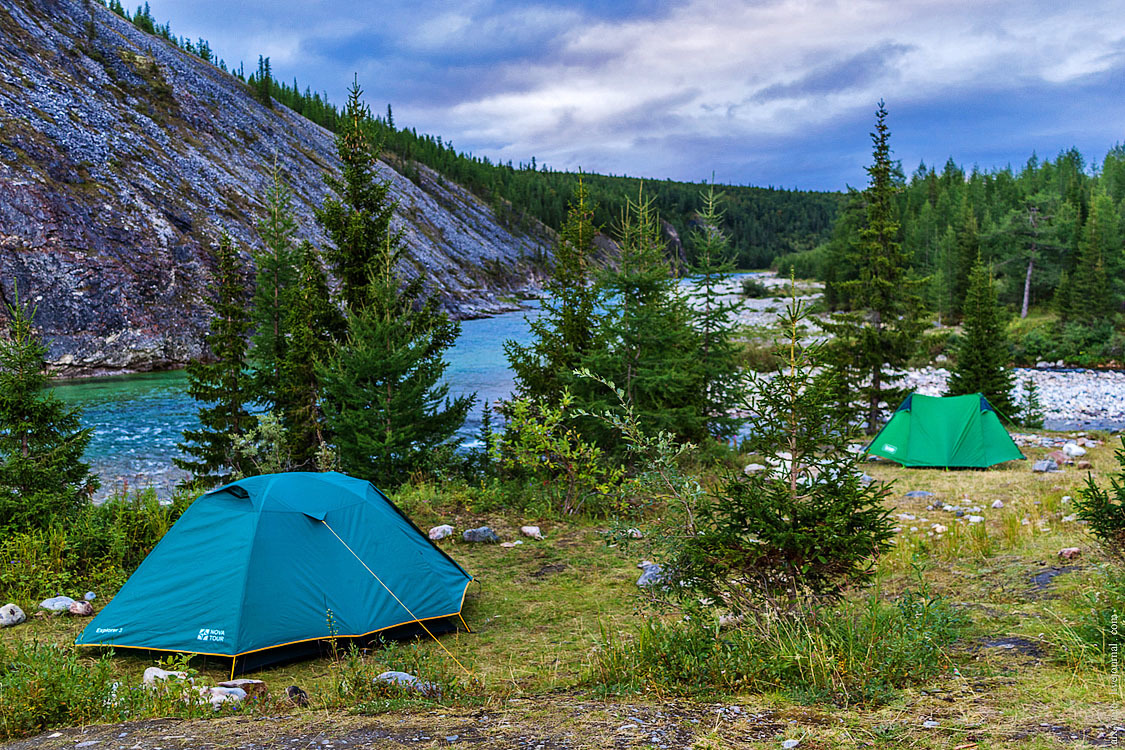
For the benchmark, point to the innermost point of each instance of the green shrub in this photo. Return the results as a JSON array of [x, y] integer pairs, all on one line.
[[806, 264], [1073, 343], [853, 652], [571, 475], [755, 289], [97, 549], [44, 685], [1104, 510]]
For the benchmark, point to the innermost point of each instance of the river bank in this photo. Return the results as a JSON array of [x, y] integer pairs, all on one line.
[[139, 420]]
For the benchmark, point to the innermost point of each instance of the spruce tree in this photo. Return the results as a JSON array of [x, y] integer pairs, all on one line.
[[1089, 299], [983, 355], [384, 399], [221, 385], [647, 343], [875, 340], [723, 386], [357, 218], [42, 475], [802, 532], [1031, 410], [967, 250], [562, 333], [277, 270], [312, 324], [263, 82]]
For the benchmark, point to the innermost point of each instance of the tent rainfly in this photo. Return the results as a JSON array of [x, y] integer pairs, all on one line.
[[261, 570], [949, 432]]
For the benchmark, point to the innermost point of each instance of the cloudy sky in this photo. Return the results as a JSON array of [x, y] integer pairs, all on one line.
[[762, 92]]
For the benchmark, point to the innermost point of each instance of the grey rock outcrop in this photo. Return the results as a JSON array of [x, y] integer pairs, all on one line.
[[122, 158]]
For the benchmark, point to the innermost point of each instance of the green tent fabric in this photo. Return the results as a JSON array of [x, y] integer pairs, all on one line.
[[276, 560], [949, 431]]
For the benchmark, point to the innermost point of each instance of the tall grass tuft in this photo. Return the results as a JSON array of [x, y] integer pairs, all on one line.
[[356, 689], [855, 652]]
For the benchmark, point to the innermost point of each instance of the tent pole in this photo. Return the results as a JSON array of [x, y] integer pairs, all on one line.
[[467, 628], [233, 661]]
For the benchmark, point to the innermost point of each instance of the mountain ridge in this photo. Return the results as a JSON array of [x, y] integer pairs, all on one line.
[[122, 157]]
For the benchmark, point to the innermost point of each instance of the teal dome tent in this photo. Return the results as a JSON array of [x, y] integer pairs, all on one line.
[[949, 432], [262, 570]]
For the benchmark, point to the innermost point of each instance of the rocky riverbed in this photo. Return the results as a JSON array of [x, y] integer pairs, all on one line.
[[1072, 399]]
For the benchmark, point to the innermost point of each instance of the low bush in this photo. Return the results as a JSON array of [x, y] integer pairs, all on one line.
[[1104, 510], [570, 476], [1072, 343], [855, 652], [96, 549], [804, 264], [755, 289], [44, 685]]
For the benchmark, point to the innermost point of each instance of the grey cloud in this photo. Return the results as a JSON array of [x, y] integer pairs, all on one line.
[[850, 73]]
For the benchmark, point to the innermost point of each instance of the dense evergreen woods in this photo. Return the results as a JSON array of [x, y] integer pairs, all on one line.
[[1051, 231]]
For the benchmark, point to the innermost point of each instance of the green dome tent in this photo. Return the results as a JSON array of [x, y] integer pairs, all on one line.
[[261, 570], [949, 431]]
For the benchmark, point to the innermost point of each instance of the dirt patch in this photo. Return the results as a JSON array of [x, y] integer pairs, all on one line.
[[1105, 736], [540, 724], [548, 570], [1015, 644], [1041, 581]]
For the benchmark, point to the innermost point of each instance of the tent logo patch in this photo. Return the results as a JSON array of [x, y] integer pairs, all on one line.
[[211, 635], [890, 448], [100, 631]]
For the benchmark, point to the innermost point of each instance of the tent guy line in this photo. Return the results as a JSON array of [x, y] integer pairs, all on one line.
[[395, 596]]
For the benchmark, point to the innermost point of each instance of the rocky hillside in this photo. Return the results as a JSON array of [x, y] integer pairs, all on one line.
[[122, 157]]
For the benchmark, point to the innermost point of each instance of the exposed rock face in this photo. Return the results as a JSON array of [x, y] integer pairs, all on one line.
[[122, 158]]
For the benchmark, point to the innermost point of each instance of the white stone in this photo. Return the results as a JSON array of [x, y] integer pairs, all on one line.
[[217, 696], [790, 744], [409, 682], [532, 532], [441, 532], [56, 604], [153, 675], [11, 614], [997, 503], [939, 529], [976, 519], [1074, 450]]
